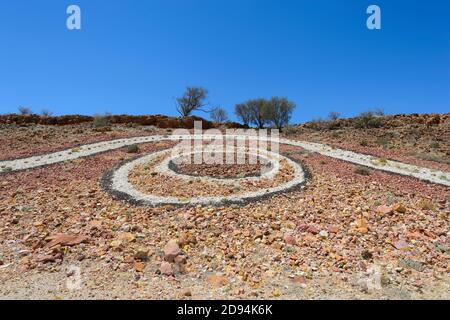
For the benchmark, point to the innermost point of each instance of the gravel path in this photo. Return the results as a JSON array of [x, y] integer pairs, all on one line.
[[426, 174]]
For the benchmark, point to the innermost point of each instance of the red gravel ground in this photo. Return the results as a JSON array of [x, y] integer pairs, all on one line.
[[317, 242]]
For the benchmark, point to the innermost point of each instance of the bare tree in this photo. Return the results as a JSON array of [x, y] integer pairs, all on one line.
[[218, 114], [333, 115], [192, 100], [24, 110], [278, 111], [46, 112], [242, 111]]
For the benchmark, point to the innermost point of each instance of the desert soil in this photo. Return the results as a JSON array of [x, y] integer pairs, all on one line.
[[320, 242]]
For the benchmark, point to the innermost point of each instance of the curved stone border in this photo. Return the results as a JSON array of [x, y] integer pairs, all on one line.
[[116, 182], [422, 173], [165, 168]]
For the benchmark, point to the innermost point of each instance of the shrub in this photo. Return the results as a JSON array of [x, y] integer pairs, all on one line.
[[364, 143], [382, 141], [101, 120], [317, 124], [426, 204], [46, 112], [134, 148], [435, 145], [336, 134], [362, 170], [367, 120], [24, 110], [291, 130]]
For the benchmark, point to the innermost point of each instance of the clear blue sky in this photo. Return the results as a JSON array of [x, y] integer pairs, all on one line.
[[136, 56]]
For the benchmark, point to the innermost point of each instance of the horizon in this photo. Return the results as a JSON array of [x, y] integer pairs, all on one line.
[[137, 58]]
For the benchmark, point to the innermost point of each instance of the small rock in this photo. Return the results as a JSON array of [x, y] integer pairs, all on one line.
[[323, 234], [333, 229], [276, 292], [171, 251], [127, 237], [400, 208], [385, 210], [299, 280], [115, 243], [411, 264], [186, 239], [361, 226], [141, 254], [180, 260], [217, 280], [400, 245], [289, 239], [313, 230], [139, 266], [65, 240], [166, 269]]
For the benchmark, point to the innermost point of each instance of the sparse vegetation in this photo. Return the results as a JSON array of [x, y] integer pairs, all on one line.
[[336, 134], [382, 142], [333, 116], [364, 143], [134, 148], [290, 130], [432, 157], [46, 112], [361, 170], [24, 110], [435, 145], [367, 120], [101, 120], [426, 204]]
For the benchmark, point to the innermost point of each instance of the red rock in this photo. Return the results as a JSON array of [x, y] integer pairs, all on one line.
[[171, 251], [289, 239], [384, 210], [186, 239], [95, 224], [217, 280], [400, 208], [49, 258], [313, 230], [180, 260], [299, 280], [333, 229], [361, 226], [65, 240], [139, 266], [166, 268]]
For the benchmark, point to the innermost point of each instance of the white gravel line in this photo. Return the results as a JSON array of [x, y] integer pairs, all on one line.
[[422, 173]]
